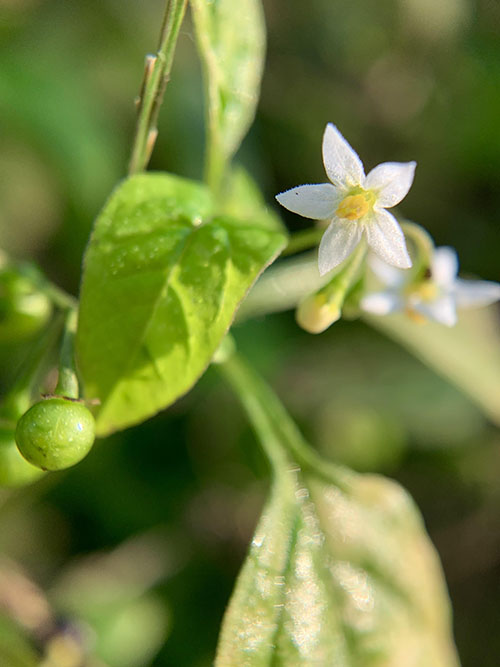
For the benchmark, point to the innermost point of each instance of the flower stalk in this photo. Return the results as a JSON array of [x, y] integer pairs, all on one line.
[[318, 311], [67, 384]]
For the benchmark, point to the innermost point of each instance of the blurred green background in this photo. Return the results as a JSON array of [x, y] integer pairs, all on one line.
[[136, 549]]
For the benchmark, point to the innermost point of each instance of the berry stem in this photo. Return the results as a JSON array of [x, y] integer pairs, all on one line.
[[67, 384]]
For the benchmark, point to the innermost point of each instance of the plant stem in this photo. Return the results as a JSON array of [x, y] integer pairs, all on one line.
[[277, 432], [424, 246], [304, 240], [157, 73], [67, 384], [244, 384], [17, 400], [283, 286]]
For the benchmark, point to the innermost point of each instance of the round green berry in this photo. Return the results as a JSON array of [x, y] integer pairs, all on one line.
[[55, 433], [14, 469]]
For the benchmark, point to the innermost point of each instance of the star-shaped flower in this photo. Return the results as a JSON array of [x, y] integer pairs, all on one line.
[[434, 298], [354, 203]]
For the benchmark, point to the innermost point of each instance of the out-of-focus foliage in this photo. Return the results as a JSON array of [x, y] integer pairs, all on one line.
[[231, 39], [402, 79]]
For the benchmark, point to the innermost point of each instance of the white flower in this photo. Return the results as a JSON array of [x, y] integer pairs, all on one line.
[[435, 298], [355, 204]]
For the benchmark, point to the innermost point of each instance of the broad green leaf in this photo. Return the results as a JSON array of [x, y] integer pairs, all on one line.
[[163, 277], [340, 570], [231, 41], [339, 577], [467, 354]]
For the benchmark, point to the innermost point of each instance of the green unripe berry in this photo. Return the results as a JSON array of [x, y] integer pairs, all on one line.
[[55, 433], [14, 470]]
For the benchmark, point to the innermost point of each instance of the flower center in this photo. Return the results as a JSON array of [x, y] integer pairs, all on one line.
[[426, 291], [356, 205]]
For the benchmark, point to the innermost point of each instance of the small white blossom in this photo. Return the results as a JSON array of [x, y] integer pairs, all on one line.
[[435, 298], [354, 203]]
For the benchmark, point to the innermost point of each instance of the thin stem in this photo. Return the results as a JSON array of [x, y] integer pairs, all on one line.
[[424, 246], [67, 384], [283, 286], [279, 436], [156, 77], [304, 240], [243, 383], [17, 400]]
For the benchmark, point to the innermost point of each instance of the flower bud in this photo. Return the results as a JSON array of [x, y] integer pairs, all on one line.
[[317, 312]]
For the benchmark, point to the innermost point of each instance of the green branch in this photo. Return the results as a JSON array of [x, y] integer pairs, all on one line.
[[156, 76], [278, 434]]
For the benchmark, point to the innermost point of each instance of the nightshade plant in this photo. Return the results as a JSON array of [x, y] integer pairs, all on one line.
[[340, 570]]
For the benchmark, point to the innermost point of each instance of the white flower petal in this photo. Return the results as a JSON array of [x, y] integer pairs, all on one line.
[[381, 303], [342, 163], [444, 266], [476, 293], [386, 239], [442, 310], [387, 274], [312, 201], [337, 243], [391, 181]]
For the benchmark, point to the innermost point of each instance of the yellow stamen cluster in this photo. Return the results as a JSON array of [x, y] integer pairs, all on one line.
[[425, 291], [356, 205]]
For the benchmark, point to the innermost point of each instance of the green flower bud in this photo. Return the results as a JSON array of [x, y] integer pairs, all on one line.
[[316, 313]]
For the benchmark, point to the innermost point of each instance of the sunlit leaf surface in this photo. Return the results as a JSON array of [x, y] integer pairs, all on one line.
[[339, 578], [162, 280]]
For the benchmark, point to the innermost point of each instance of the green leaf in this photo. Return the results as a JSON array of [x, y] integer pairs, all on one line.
[[163, 277], [340, 570], [231, 41], [467, 354], [338, 577]]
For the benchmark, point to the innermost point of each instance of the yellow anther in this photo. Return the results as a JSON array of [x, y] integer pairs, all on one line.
[[425, 291], [415, 316], [355, 206]]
